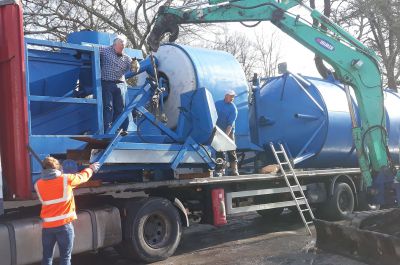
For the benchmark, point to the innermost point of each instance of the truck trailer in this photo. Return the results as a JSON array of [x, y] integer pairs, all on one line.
[[160, 174]]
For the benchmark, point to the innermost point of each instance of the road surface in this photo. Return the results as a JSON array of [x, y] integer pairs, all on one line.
[[247, 239]]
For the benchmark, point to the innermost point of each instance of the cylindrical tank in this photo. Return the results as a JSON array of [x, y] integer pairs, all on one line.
[[311, 117], [188, 68]]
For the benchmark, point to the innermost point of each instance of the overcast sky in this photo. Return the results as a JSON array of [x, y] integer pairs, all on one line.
[[298, 58]]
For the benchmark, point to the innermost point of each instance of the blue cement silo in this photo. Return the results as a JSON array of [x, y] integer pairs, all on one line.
[[311, 117]]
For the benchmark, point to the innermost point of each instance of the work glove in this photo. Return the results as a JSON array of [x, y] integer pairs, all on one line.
[[135, 66], [95, 167]]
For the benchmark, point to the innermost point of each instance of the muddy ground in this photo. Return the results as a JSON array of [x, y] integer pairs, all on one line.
[[247, 239]]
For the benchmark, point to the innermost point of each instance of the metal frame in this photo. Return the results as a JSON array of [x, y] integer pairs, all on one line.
[[96, 73], [46, 144], [175, 183], [157, 155], [141, 97], [240, 194], [137, 104], [191, 144]]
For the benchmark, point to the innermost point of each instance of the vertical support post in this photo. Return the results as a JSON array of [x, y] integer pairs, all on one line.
[[13, 105], [97, 89]]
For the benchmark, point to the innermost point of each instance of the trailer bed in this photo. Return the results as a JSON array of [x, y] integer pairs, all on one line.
[[176, 183]]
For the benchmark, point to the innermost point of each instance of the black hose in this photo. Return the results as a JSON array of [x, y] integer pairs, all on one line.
[[383, 129]]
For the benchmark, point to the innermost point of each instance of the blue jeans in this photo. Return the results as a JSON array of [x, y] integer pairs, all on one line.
[[64, 236], [113, 104]]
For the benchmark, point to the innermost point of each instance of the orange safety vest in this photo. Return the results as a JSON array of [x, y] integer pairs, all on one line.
[[57, 198]]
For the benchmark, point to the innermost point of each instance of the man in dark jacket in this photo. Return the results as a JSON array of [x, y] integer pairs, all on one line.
[[227, 114]]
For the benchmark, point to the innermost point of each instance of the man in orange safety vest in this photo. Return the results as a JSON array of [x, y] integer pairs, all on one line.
[[54, 190]]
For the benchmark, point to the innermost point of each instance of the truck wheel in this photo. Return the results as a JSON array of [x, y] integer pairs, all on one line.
[[340, 204], [152, 230]]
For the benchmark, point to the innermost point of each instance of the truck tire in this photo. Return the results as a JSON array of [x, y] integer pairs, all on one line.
[[152, 230], [340, 204]]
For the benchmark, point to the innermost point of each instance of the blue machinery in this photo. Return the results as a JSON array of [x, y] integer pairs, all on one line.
[[309, 115], [65, 114]]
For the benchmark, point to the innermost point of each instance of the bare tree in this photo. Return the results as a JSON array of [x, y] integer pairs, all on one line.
[[259, 55], [54, 19], [377, 24], [268, 49], [236, 44]]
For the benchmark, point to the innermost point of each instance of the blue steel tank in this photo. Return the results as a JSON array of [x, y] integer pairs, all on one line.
[[311, 117], [188, 68]]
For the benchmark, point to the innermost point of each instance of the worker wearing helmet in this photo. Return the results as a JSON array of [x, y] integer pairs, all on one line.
[[227, 114], [114, 65], [54, 190]]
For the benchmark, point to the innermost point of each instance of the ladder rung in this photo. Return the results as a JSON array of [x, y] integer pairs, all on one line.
[[289, 168]]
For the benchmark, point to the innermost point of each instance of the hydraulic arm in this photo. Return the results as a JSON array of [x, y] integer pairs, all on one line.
[[355, 66]]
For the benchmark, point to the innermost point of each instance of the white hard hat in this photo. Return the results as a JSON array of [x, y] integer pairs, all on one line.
[[230, 92]]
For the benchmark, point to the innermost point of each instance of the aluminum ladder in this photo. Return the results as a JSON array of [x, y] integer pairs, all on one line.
[[289, 174]]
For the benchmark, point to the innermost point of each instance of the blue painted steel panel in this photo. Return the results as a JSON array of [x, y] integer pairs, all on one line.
[[312, 118], [52, 74], [45, 145], [198, 116], [54, 80], [85, 36]]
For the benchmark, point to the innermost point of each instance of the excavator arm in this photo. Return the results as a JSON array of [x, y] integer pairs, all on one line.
[[355, 66], [370, 237]]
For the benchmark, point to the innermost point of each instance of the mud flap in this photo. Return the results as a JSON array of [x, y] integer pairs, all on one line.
[[371, 237]]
